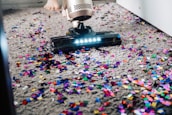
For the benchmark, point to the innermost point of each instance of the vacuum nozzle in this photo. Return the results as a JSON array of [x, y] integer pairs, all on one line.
[[71, 43]]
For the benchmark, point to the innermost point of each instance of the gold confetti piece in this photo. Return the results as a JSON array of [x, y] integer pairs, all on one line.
[[33, 90], [40, 98], [154, 104]]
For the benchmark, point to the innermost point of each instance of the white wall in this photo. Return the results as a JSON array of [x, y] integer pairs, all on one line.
[[156, 12]]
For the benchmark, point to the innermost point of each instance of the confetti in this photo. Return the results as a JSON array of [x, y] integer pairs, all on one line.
[[134, 78]]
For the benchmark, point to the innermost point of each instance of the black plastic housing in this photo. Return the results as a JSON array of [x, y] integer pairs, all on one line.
[[67, 43]]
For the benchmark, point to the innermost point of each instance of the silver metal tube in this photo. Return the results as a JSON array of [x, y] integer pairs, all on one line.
[[80, 9]]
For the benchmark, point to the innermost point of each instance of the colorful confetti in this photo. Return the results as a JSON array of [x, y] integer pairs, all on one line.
[[135, 77]]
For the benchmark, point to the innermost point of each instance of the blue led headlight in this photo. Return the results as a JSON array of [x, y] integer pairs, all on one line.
[[94, 39], [76, 42], [98, 39], [90, 40], [81, 41], [85, 40]]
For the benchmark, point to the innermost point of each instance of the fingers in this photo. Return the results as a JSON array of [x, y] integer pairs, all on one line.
[[52, 8]]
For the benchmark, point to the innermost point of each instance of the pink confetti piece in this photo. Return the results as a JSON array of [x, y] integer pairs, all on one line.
[[166, 87]]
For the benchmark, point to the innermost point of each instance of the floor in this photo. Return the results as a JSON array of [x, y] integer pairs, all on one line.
[[131, 78]]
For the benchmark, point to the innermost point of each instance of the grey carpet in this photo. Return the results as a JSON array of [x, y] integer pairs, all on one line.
[[143, 59]]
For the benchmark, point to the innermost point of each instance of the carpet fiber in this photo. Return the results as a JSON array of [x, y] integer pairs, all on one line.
[[134, 77]]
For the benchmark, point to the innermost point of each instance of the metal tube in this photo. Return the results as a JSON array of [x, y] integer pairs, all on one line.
[[80, 9]]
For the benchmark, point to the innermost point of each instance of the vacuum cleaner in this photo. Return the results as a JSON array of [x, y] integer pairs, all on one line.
[[79, 35]]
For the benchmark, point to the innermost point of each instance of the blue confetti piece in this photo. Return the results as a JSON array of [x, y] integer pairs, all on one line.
[[75, 108], [119, 83]]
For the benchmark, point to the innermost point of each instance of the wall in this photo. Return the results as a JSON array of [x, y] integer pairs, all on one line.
[[15, 4], [7, 4], [156, 12]]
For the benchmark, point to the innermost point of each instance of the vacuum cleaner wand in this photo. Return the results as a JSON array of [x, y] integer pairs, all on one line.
[[80, 36]]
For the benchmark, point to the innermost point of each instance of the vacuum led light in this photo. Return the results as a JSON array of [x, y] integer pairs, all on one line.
[[87, 40]]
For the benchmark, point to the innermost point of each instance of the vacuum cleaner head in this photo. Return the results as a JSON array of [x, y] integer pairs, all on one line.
[[82, 36]]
